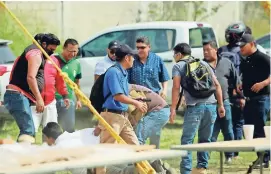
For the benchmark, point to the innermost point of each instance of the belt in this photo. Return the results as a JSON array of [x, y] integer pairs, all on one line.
[[201, 104], [256, 97], [114, 111], [15, 88]]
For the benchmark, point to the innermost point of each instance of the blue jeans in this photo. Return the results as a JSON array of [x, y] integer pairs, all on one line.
[[199, 118], [19, 107], [225, 125], [150, 126], [255, 112], [237, 122], [66, 117]]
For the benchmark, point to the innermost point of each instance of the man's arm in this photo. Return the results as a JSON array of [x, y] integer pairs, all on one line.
[[219, 98], [127, 100], [34, 62], [175, 92]]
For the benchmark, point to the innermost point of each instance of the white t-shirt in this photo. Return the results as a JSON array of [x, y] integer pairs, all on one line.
[[77, 138], [103, 65]]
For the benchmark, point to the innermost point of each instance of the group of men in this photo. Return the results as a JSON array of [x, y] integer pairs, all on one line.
[[37, 94], [239, 75]]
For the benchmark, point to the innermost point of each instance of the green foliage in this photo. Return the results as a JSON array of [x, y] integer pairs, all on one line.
[[10, 30], [255, 17], [178, 11]]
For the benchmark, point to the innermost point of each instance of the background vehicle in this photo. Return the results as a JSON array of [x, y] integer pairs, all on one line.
[[264, 41], [7, 59], [163, 37]]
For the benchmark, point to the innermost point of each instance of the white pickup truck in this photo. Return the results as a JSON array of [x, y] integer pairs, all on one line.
[[163, 37]]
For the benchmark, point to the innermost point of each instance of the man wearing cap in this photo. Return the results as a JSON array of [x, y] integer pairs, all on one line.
[[108, 61], [255, 70], [116, 105]]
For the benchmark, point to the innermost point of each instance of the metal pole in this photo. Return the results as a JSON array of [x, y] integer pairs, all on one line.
[[62, 20], [221, 162]]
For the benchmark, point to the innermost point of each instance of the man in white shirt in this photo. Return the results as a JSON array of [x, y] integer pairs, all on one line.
[[54, 135], [108, 61]]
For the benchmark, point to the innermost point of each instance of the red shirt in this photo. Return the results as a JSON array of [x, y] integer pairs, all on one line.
[[52, 82]]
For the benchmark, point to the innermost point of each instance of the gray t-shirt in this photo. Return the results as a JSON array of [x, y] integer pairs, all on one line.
[[179, 69]]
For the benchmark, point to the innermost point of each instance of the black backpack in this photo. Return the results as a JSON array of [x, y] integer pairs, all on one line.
[[198, 80], [96, 97]]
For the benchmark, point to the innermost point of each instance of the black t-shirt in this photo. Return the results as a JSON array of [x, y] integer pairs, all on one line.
[[254, 69]]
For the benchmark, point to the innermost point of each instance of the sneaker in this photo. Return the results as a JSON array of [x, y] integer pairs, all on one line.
[[199, 171], [228, 160]]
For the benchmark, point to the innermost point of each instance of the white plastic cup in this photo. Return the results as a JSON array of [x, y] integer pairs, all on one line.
[[267, 132], [248, 131]]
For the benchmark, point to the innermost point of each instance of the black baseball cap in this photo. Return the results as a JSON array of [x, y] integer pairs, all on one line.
[[124, 50], [246, 38], [113, 44]]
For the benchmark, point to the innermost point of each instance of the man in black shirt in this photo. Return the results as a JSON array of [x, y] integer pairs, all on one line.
[[255, 70], [228, 78]]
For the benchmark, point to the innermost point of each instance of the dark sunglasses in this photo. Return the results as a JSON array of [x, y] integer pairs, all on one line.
[[140, 48], [113, 51]]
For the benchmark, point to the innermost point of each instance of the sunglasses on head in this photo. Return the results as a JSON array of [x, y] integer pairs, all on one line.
[[141, 48]]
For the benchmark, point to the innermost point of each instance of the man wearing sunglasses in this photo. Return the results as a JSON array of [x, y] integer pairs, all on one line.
[[255, 70], [149, 69], [108, 61]]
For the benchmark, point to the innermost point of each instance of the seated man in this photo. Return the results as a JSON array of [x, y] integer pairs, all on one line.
[[54, 135]]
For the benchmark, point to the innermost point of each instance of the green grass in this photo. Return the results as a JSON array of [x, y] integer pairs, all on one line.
[[170, 136]]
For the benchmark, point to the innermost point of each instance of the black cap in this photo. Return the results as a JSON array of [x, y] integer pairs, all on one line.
[[246, 38], [113, 44], [124, 50]]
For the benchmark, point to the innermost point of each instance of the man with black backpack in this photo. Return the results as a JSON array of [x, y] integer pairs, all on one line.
[[200, 84], [115, 90], [227, 76]]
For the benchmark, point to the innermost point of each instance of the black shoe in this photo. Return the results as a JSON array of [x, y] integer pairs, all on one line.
[[257, 166]]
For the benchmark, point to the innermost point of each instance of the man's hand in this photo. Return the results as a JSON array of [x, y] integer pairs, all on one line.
[[239, 89], [221, 111], [40, 106], [257, 87], [163, 94], [78, 105], [67, 103], [242, 103], [141, 106], [172, 115], [97, 131]]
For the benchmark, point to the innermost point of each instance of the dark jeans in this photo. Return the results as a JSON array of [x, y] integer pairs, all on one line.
[[19, 107], [225, 125], [201, 119], [255, 112], [237, 123]]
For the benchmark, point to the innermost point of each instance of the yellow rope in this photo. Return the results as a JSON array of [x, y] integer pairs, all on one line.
[[143, 167]]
